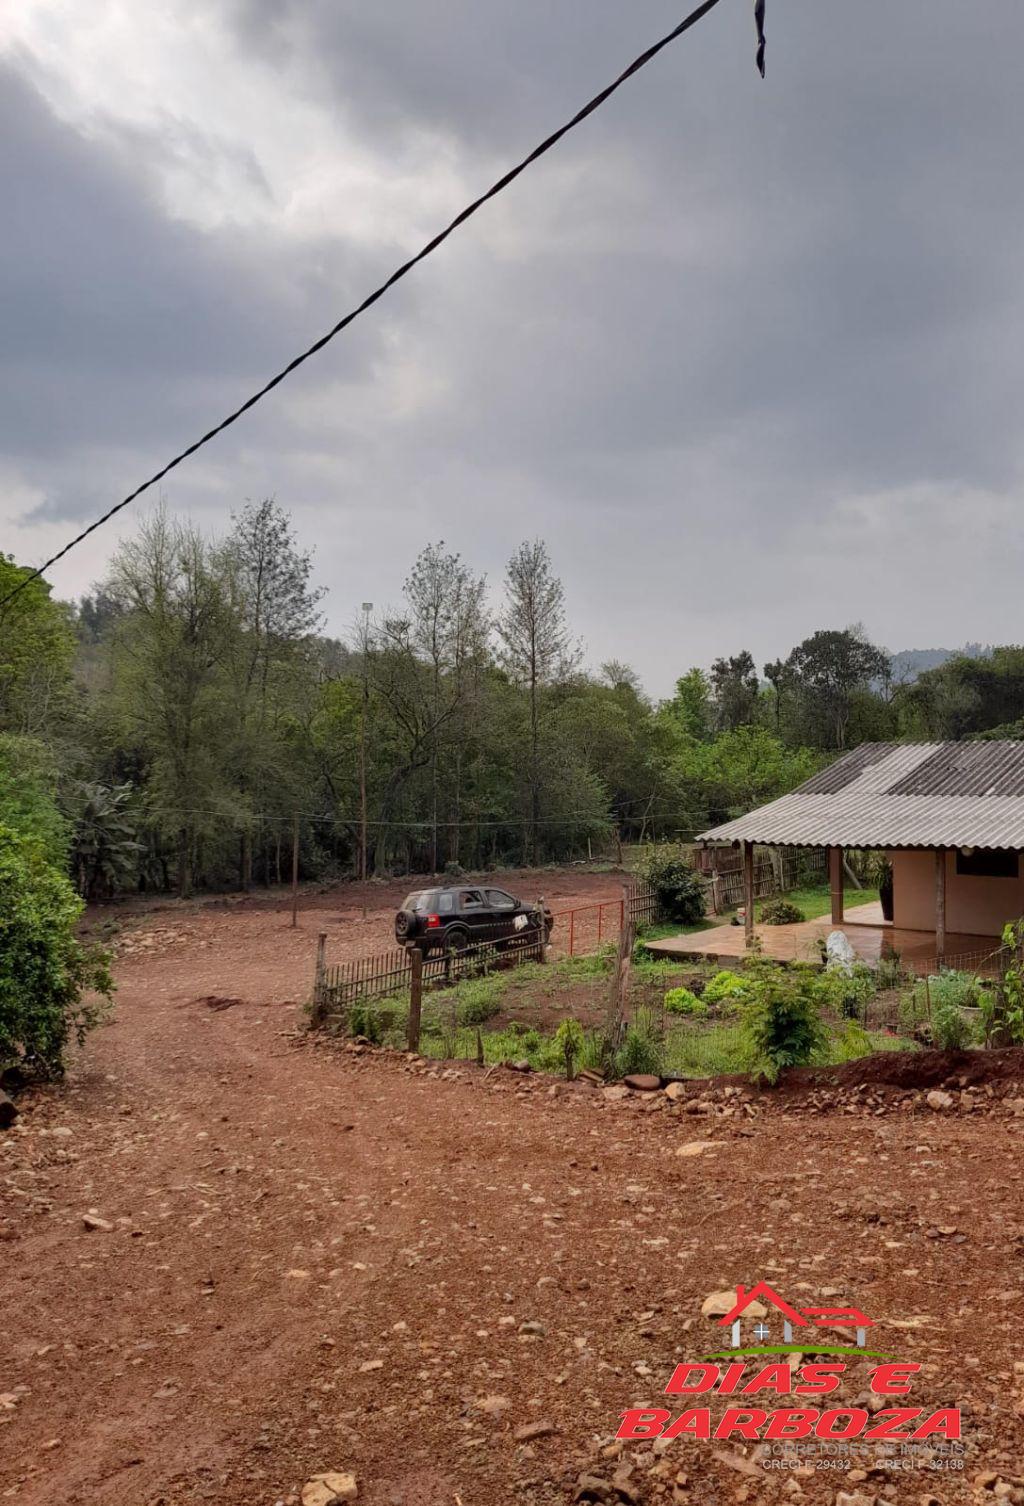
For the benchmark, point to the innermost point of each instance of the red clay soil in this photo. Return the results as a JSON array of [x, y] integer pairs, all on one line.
[[304, 1259], [358, 920]]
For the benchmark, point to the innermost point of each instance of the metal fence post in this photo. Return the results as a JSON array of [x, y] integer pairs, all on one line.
[[412, 1039]]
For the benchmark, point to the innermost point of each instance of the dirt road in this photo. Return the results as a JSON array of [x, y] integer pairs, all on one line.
[[311, 1261]]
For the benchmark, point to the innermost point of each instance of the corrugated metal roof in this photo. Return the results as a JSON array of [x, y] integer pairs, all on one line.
[[899, 795]]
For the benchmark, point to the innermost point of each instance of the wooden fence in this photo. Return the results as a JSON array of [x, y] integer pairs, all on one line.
[[346, 986], [776, 870]]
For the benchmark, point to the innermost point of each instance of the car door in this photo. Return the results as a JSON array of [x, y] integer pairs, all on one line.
[[473, 913], [504, 909]]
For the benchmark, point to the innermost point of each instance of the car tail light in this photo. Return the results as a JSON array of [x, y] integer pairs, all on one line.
[[433, 921]]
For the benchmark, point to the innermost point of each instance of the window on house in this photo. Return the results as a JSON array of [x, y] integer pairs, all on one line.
[[983, 862]]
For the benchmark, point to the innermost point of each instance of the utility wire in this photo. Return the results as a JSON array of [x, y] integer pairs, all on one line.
[[431, 246]]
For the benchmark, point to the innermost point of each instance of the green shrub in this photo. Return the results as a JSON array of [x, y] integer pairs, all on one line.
[[951, 1031], [780, 912], [364, 1020], [781, 1021], [641, 1051], [569, 1042], [679, 891], [726, 987], [45, 973], [683, 1001]]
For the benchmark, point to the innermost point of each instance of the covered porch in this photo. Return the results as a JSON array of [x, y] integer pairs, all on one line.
[[871, 936]]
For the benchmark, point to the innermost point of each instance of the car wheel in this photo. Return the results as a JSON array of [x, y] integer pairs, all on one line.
[[456, 940], [402, 922]]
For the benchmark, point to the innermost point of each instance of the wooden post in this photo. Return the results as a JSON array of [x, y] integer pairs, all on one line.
[[295, 870], [618, 847], [617, 1002], [542, 939], [318, 979], [716, 892], [940, 905], [412, 1038], [748, 893], [835, 879]]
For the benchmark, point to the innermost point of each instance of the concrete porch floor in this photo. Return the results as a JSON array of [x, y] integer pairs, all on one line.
[[868, 933]]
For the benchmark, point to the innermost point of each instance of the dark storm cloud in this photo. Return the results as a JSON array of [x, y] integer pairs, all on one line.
[[123, 327], [759, 327]]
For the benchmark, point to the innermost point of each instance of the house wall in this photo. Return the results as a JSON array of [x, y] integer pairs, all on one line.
[[977, 906]]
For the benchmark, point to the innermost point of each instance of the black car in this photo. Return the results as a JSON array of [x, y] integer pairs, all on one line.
[[454, 918]]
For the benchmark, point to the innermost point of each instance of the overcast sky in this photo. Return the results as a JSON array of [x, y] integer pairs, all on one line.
[[748, 355]]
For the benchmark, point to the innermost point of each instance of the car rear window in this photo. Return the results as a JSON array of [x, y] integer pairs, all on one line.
[[417, 902]]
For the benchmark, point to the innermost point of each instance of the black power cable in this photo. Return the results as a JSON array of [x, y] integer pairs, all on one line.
[[402, 271]]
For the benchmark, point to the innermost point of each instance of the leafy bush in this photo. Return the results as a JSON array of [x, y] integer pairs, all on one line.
[[364, 1020], [846, 993], [679, 891], [951, 1031], [726, 987], [44, 970], [780, 912], [781, 1021], [683, 1001], [942, 993]]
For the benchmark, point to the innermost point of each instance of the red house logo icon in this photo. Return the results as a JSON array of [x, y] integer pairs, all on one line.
[[794, 1319]]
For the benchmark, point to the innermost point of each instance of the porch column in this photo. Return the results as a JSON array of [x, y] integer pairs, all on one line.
[[835, 880], [940, 904], [748, 893]]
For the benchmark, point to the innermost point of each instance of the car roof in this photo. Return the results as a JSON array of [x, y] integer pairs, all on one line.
[[456, 888]]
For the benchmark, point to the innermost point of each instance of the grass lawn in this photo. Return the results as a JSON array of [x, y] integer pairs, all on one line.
[[818, 902]]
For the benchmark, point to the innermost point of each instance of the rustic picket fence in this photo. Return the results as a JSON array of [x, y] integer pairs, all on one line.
[[776, 870]]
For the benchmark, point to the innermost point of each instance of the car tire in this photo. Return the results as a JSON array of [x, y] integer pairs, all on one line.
[[456, 939], [403, 925]]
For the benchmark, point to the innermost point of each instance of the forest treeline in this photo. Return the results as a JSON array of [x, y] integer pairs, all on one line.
[[173, 729]]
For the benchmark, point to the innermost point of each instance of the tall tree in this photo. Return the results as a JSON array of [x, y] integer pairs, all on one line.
[[425, 666], [171, 641], [734, 689], [537, 648], [826, 672], [269, 663], [37, 647]]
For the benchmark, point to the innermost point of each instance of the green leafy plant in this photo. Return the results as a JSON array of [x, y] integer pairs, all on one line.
[[684, 1001], [104, 852], [51, 987], [1002, 1011], [951, 1031], [726, 987], [569, 1041], [781, 1021], [679, 891], [780, 912], [364, 1020]]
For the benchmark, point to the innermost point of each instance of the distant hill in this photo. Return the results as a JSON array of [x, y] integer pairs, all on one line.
[[911, 662]]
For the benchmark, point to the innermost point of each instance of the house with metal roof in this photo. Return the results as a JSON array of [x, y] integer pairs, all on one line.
[[950, 816]]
